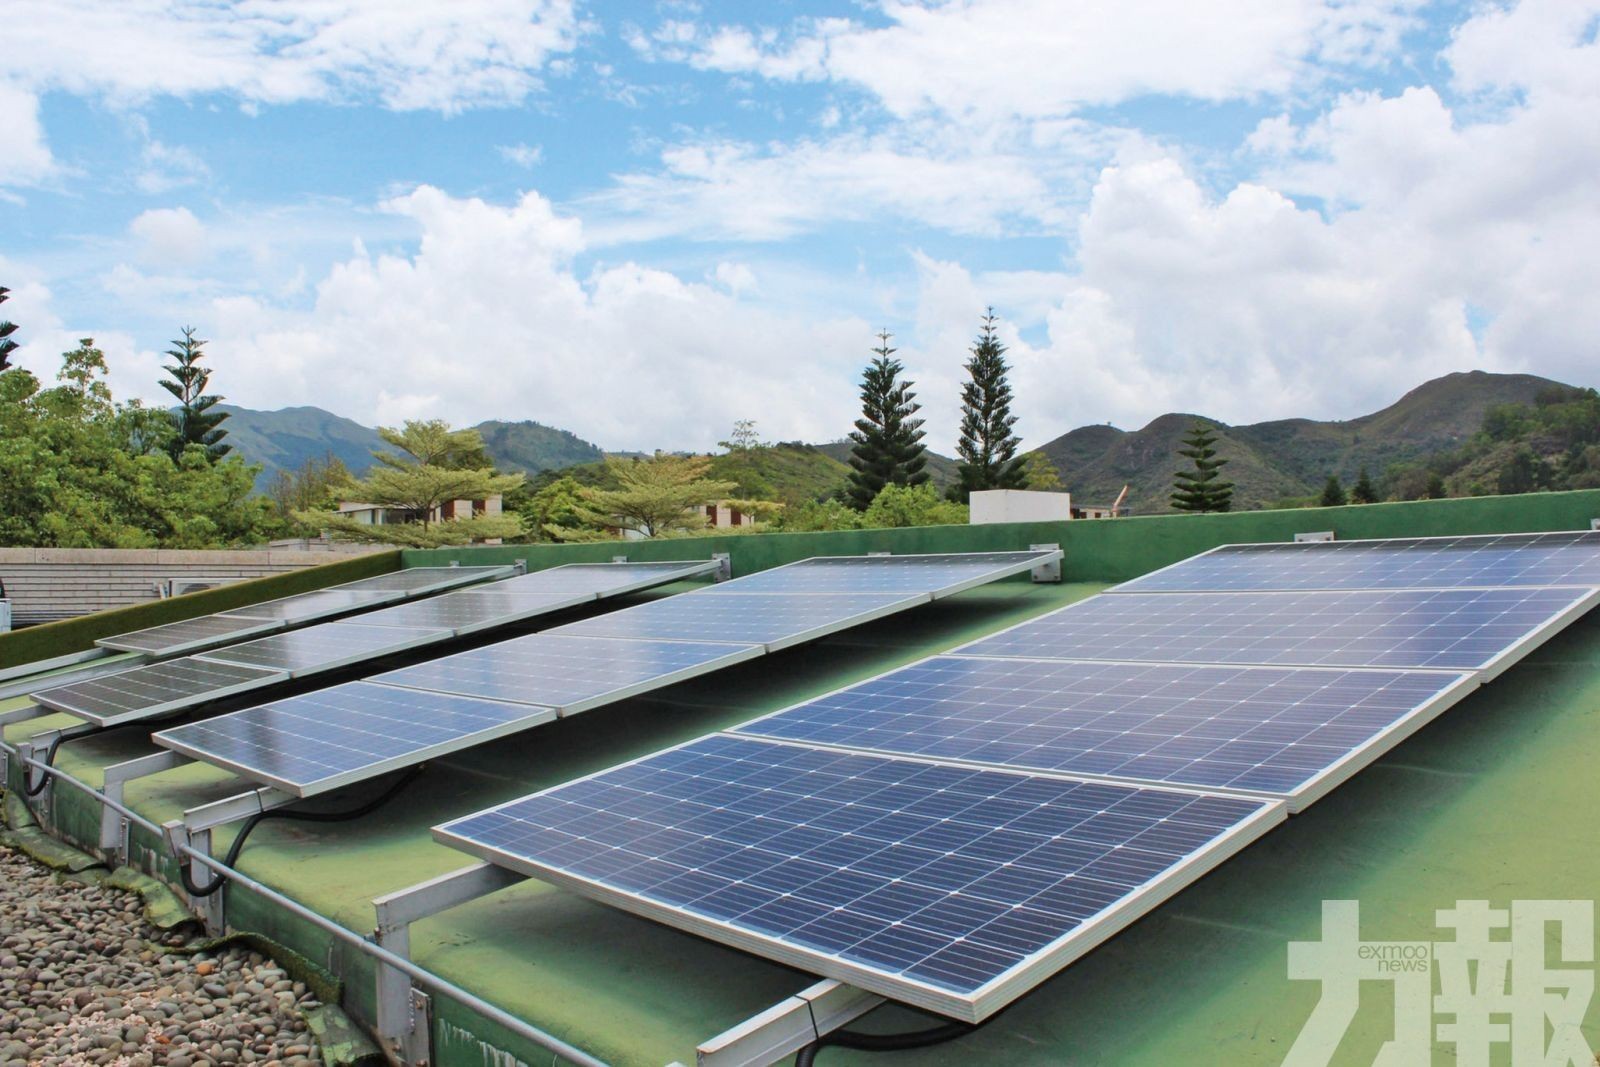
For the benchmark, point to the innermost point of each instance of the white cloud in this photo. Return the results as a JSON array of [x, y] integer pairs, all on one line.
[[169, 236], [28, 160], [443, 57], [1039, 58], [523, 155], [488, 319], [167, 167]]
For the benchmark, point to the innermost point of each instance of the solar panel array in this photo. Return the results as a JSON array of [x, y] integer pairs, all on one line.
[[585, 665], [127, 695], [1078, 768], [208, 631]]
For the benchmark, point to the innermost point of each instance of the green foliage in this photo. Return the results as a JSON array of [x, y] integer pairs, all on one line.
[[314, 486], [658, 497], [1551, 443], [887, 446], [433, 465], [7, 345], [556, 504], [912, 505], [1364, 491], [1040, 474], [1332, 494], [1201, 488], [740, 462], [195, 422], [79, 471], [533, 447], [819, 515], [988, 448]]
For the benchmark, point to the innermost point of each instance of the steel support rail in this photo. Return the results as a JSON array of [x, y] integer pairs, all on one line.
[[422, 977], [788, 1026]]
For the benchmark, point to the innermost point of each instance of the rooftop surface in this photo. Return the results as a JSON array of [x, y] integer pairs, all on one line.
[[1493, 801]]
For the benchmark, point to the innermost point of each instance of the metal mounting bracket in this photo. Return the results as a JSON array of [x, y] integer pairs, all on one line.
[[28, 750], [211, 908], [619, 559], [405, 1032], [1594, 524], [519, 566], [1313, 536], [724, 561], [788, 1026], [113, 827], [1049, 571]]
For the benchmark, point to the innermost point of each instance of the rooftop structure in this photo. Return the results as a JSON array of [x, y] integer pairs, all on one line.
[[1483, 802]]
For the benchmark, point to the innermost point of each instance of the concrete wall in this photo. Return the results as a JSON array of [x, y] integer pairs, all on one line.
[[1019, 505], [49, 584], [1106, 551], [75, 635]]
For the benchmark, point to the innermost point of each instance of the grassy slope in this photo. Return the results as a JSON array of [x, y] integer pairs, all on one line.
[[533, 447], [1286, 457]]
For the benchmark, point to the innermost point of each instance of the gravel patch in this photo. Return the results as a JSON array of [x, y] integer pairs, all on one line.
[[85, 980]]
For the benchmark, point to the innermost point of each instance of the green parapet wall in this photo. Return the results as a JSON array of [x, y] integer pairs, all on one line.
[[1105, 550], [62, 638]]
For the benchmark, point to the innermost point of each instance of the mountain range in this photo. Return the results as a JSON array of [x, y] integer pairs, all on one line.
[[1267, 461], [285, 439]]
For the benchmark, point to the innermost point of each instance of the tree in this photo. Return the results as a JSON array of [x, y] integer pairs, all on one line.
[[1040, 474], [988, 448], [744, 458], [657, 497], [1364, 492], [887, 441], [1436, 488], [194, 420], [1201, 488], [418, 478], [313, 486], [555, 505], [7, 345], [78, 470], [1333, 493], [913, 505]]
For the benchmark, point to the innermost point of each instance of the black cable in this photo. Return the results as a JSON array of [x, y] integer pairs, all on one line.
[[881, 1042], [217, 879], [31, 790]]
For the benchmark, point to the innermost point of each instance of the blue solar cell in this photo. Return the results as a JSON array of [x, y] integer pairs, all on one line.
[[189, 635], [313, 743], [1571, 558], [1287, 732], [475, 609], [603, 578], [564, 672], [886, 574], [323, 647], [414, 580], [930, 884], [1438, 628], [773, 619], [316, 605], [153, 690]]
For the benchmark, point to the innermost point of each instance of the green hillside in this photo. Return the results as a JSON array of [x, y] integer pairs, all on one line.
[[532, 447], [941, 469], [285, 439], [1285, 458]]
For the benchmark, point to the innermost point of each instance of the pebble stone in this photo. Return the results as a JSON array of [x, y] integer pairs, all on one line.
[[84, 980]]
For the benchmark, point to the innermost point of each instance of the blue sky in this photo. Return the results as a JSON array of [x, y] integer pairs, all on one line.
[[642, 222]]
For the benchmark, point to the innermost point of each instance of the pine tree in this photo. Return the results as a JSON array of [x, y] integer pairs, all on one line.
[[888, 448], [194, 420], [988, 448], [1333, 493], [1364, 492], [1201, 489], [7, 345]]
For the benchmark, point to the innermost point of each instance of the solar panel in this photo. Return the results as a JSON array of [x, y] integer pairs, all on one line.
[[315, 605], [1471, 629], [1290, 732], [941, 575], [1547, 559], [955, 889], [188, 635], [571, 674], [472, 610], [417, 580], [149, 691], [323, 647], [606, 578], [314, 743], [774, 620]]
